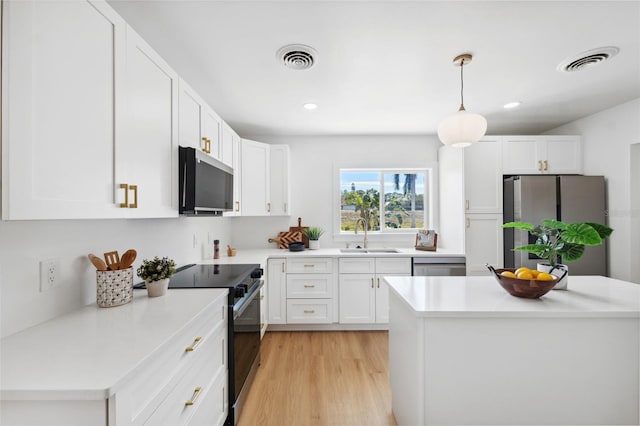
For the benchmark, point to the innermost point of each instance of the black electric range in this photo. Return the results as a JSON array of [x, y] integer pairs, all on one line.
[[244, 282]]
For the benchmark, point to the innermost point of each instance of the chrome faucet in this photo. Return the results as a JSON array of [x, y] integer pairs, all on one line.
[[364, 227]]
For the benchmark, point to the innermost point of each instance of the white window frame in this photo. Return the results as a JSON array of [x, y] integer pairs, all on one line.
[[428, 174]]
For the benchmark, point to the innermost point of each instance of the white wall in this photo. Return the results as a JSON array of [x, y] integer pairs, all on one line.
[[314, 165], [607, 145], [24, 244]]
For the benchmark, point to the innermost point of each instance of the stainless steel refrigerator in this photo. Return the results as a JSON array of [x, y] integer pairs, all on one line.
[[566, 198]]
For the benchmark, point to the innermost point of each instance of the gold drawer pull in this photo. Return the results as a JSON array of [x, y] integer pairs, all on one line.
[[546, 165], [237, 206], [309, 286], [262, 297], [261, 325], [309, 311], [196, 394], [378, 282], [194, 345], [466, 204], [309, 265], [539, 165]]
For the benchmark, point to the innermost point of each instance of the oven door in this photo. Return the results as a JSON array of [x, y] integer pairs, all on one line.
[[246, 339]]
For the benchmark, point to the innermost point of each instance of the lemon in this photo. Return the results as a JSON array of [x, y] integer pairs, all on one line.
[[525, 275], [543, 276], [508, 274], [522, 269]]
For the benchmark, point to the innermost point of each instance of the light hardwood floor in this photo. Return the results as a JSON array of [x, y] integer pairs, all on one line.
[[321, 378]]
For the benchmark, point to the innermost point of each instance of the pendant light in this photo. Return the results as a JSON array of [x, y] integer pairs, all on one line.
[[462, 128]]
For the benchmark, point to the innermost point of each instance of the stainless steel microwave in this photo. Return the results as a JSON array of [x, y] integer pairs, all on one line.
[[206, 184]]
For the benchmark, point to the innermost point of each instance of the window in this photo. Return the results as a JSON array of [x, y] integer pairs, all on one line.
[[388, 200]]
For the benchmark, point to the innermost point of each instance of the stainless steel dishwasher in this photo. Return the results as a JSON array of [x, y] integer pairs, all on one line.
[[439, 266]]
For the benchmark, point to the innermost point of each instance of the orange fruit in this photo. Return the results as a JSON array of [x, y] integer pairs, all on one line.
[[525, 275], [543, 276], [508, 274], [522, 269]]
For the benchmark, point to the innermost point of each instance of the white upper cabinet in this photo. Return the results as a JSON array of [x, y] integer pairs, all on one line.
[[62, 95], [541, 155], [226, 144], [483, 176], [255, 178], [280, 191], [200, 126], [146, 157]]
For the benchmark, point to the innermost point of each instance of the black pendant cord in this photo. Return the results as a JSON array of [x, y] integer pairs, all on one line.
[[461, 85]]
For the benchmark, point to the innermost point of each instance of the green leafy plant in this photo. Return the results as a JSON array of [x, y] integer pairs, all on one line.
[[156, 269], [558, 239], [313, 233]]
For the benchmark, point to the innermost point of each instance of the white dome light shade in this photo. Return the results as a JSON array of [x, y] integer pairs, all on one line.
[[462, 129]]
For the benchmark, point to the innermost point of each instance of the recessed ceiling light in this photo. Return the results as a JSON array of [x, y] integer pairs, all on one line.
[[511, 105], [310, 106]]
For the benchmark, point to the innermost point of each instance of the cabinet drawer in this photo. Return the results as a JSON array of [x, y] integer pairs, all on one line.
[[213, 410], [359, 265], [189, 394], [393, 265], [145, 392], [309, 311], [309, 286], [310, 265]]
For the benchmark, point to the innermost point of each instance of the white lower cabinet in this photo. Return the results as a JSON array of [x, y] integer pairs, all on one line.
[[364, 295], [151, 362], [277, 291], [483, 242], [310, 290]]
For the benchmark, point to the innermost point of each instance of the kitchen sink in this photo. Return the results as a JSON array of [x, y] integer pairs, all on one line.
[[374, 250]]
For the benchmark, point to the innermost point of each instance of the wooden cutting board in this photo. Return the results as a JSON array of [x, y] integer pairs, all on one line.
[[284, 238], [299, 228]]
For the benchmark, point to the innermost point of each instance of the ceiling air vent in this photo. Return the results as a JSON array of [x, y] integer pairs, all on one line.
[[587, 59], [297, 56]]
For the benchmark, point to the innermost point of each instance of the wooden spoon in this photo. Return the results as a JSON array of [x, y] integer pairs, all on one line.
[[97, 262], [113, 260], [127, 259]]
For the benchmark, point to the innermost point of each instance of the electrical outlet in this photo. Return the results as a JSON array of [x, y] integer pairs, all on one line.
[[49, 274]]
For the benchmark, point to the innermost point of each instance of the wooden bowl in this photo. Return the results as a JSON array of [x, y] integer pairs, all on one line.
[[529, 289]]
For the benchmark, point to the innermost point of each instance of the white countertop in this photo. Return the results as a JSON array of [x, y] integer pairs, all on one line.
[[478, 296], [90, 353], [260, 256]]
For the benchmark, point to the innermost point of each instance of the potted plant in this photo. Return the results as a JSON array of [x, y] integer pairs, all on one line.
[[156, 274], [558, 240], [314, 234]]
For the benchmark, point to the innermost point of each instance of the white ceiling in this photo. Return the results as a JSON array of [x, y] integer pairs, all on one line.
[[385, 67]]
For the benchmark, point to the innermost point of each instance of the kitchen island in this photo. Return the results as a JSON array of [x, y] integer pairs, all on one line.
[[462, 351]]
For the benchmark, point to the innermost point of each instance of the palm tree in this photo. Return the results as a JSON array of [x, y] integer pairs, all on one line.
[[409, 188]]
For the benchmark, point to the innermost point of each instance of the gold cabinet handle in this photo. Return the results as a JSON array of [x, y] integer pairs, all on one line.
[[285, 207], [204, 140], [268, 207], [309, 265], [309, 311], [237, 206], [539, 165], [466, 204], [546, 165], [134, 188], [126, 195], [282, 266], [194, 345], [309, 286], [207, 145], [261, 325], [196, 394], [371, 282], [262, 297], [378, 282], [468, 223]]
